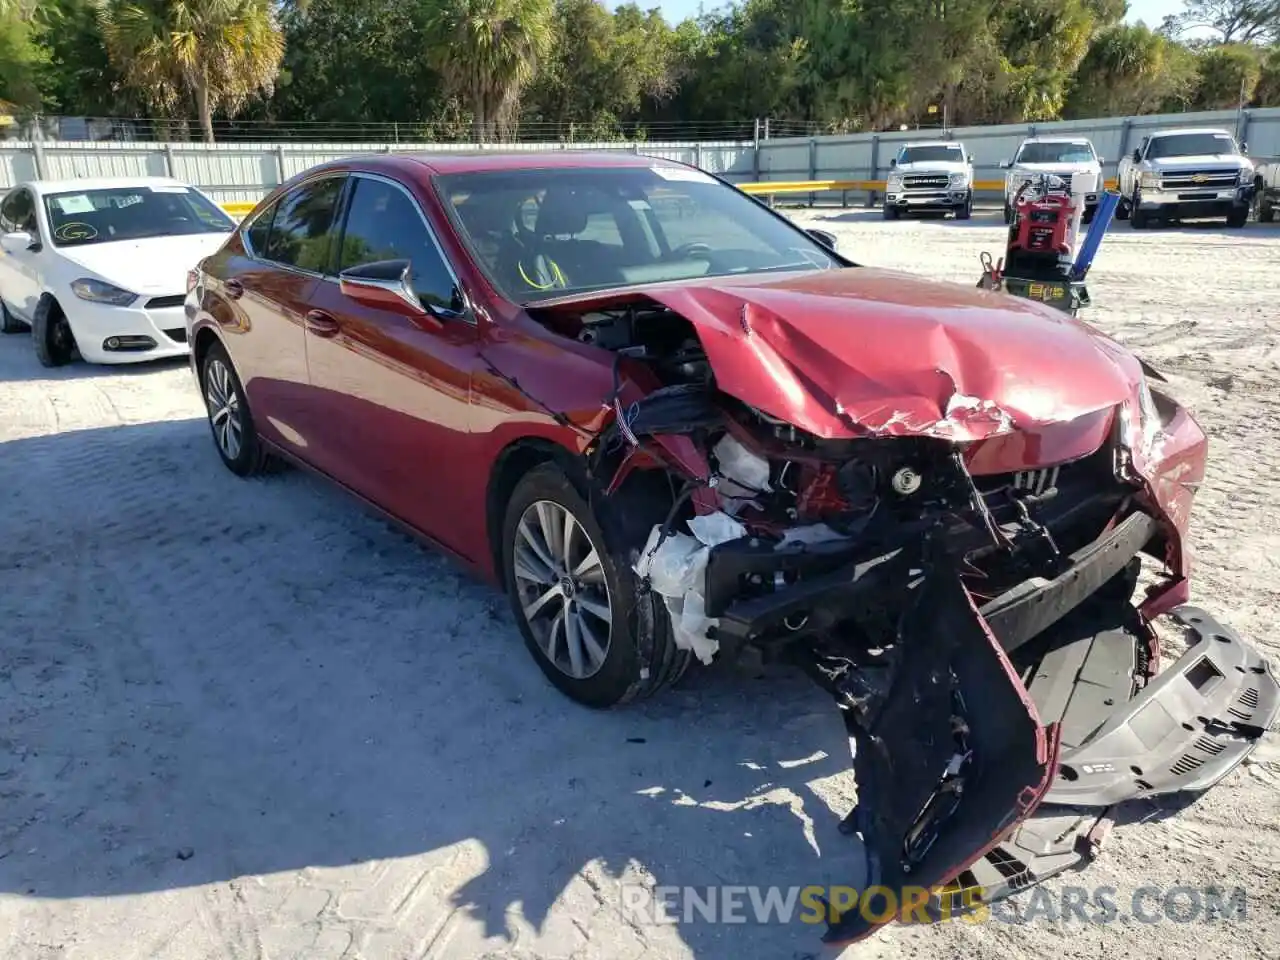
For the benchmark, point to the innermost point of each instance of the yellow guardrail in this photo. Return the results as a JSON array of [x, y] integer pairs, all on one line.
[[238, 208]]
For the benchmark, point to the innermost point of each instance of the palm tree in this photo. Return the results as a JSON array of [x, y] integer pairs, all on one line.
[[488, 51], [217, 52]]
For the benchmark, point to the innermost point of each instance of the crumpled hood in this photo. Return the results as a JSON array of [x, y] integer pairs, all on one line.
[[857, 351]]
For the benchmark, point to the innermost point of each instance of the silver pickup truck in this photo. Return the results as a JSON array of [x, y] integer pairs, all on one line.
[[1185, 174], [1266, 190]]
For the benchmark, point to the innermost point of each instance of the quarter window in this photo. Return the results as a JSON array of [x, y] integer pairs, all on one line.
[[302, 228], [260, 231], [384, 224]]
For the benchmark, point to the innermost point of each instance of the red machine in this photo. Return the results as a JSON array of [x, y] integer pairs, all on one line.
[[1043, 233]]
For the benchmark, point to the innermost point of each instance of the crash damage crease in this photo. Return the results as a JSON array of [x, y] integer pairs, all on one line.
[[920, 512]]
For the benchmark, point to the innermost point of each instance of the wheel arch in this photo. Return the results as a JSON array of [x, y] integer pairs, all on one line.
[[515, 460], [205, 339]]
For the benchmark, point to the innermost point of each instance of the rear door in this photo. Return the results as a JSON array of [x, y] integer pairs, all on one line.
[[267, 292], [393, 390], [20, 271]]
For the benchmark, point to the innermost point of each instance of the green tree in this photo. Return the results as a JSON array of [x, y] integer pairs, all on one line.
[[216, 54], [488, 52], [23, 61], [1267, 92], [1232, 21], [1228, 76], [1129, 69]]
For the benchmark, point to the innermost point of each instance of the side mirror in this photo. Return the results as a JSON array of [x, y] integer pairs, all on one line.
[[1006, 164], [1244, 149], [828, 240], [1101, 160], [1137, 156], [970, 158], [17, 242], [893, 162], [384, 284]]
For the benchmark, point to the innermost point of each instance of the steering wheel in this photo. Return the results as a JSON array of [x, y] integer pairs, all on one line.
[[687, 251]]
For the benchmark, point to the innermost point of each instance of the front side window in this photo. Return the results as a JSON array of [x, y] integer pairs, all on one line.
[[1193, 145], [1056, 153], [948, 153], [384, 224], [302, 228], [82, 217], [542, 233]]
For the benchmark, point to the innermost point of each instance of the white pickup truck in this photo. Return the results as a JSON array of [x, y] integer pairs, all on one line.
[[1266, 190], [1059, 156], [1185, 174], [932, 175]]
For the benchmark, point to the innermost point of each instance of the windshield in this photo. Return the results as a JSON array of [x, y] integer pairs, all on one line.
[[1055, 153], [131, 213], [540, 234], [1191, 145], [946, 152]]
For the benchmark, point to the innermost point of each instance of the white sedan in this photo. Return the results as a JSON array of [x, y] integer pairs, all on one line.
[[100, 265]]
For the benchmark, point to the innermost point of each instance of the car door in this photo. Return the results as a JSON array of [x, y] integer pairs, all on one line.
[[288, 248], [20, 270], [393, 387]]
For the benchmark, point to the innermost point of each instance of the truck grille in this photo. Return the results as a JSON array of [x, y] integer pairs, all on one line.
[[925, 181], [1200, 180]]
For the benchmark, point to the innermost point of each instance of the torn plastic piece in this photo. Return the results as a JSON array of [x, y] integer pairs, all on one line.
[[716, 528], [744, 472], [677, 571], [813, 533]]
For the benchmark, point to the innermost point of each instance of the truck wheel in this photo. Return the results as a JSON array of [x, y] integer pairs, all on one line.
[[1266, 212], [8, 322], [1122, 209], [966, 211], [1238, 217], [889, 213], [1008, 212], [1137, 216]]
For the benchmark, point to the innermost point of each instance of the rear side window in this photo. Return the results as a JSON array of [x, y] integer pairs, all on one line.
[[384, 224], [302, 227], [260, 230]]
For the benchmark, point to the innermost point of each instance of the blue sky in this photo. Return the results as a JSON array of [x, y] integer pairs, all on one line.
[[1151, 11]]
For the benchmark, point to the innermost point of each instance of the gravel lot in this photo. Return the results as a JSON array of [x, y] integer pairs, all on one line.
[[246, 720]]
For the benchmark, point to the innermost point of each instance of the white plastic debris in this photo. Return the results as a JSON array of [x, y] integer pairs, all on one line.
[[812, 533], [741, 468], [716, 528]]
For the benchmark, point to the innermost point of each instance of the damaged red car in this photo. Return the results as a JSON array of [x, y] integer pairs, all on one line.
[[674, 426]]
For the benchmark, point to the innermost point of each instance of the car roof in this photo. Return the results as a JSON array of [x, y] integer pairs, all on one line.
[[933, 143], [1180, 130], [43, 187], [1057, 140], [480, 161]]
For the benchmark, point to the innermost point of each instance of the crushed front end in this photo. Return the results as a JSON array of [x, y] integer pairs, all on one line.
[[965, 588]]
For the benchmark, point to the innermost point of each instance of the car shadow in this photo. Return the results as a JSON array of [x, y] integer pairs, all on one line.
[[213, 682], [18, 363]]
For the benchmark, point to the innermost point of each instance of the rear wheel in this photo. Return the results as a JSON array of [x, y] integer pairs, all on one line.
[[1266, 210], [594, 634], [51, 334], [8, 322], [230, 421]]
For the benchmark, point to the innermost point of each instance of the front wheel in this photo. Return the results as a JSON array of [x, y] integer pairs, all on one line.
[[965, 212], [230, 421], [51, 334], [1238, 217], [596, 636], [1139, 218], [1008, 213], [889, 213]]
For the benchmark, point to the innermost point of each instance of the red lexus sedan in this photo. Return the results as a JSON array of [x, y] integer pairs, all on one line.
[[670, 423]]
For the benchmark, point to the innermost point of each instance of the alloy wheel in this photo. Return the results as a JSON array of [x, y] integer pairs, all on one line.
[[224, 409], [562, 589]]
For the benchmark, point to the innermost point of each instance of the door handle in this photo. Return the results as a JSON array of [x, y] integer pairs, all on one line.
[[234, 289], [321, 324]]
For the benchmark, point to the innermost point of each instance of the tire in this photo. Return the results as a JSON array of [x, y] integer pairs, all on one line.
[[1122, 209], [1266, 212], [51, 334], [1008, 212], [8, 322], [227, 408], [965, 212], [639, 652], [1238, 217], [1137, 218], [888, 212]]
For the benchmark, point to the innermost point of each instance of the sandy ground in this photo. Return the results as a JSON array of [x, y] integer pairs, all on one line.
[[246, 720]]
